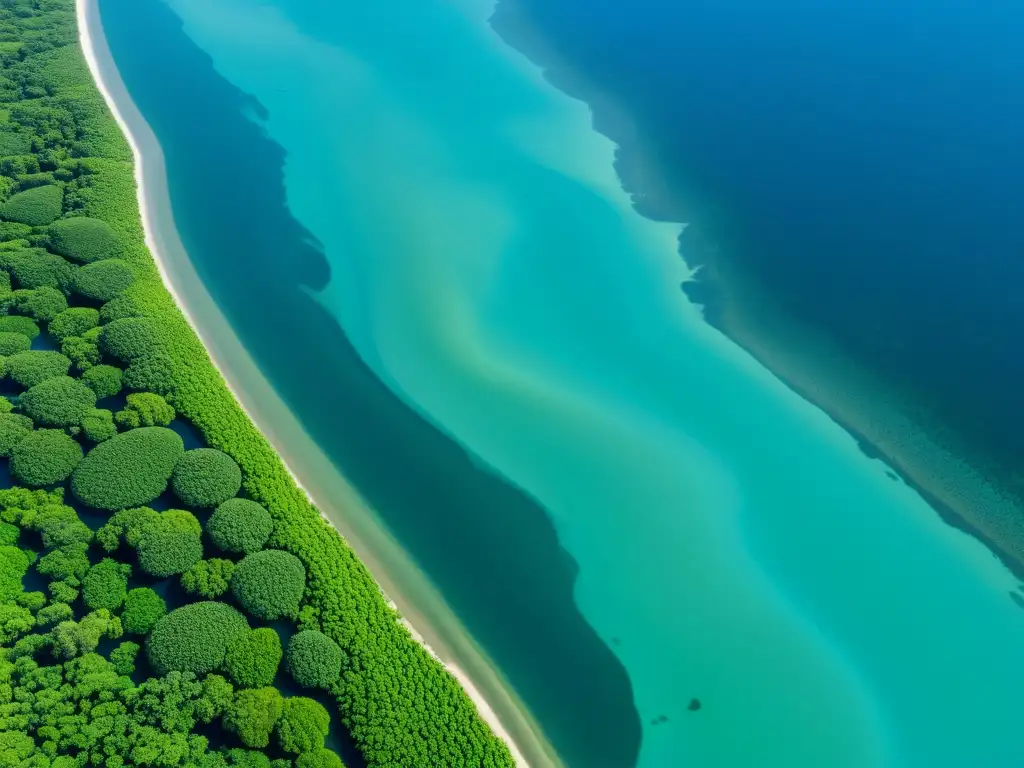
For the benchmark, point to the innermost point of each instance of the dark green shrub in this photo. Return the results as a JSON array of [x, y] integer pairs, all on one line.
[[54, 614], [83, 353], [98, 425], [125, 526], [13, 142], [9, 534], [15, 621], [143, 608], [84, 239], [26, 326], [208, 578], [152, 410], [35, 367], [169, 543], [60, 402], [59, 526], [36, 207], [34, 601], [240, 525], [45, 457], [10, 230], [70, 638], [42, 304], [123, 657], [62, 592], [103, 280], [314, 660], [13, 567], [127, 419], [303, 726], [253, 658], [106, 585], [206, 477], [104, 380], [13, 429], [123, 307], [129, 338], [13, 343], [150, 374], [269, 584], [73, 322], [323, 758], [128, 470], [194, 638], [35, 268], [253, 715]]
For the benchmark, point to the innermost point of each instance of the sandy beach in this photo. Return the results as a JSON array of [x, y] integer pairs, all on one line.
[[309, 467]]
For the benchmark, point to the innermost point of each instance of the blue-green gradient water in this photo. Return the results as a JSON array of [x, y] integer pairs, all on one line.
[[733, 545]]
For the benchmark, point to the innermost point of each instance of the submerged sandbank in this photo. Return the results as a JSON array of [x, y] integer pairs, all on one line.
[[424, 612]]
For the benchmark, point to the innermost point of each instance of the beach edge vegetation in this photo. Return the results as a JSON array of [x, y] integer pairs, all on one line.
[[400, 705]]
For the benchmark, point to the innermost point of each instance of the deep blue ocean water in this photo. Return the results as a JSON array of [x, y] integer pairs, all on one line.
[[860, 162], [425, 249]]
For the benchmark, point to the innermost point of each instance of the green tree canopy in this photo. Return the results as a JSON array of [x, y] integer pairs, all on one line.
[[143, 608], [12, 343], [58, 402], [103, 280], [253, 658], [313, 659], [45, 457], [36, 366], [240, 525], [208, 578], [194, 638], [151, 410], [128, 470], [13, 429], [253, 715], [206, 477], [26, 326], [106, 584], [170, 543], [104, 380], [35, 207], [35, 268], [303, 726], [43, 304], [98, 425], [321, 758], [269, 584], [84, 239], [73, 322]]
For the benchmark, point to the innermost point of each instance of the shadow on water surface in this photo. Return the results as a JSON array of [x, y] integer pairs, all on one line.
[[491, 550]]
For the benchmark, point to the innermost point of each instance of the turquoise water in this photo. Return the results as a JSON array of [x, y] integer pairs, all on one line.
[[733, 544]]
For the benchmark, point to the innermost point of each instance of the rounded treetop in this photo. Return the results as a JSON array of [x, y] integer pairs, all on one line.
[[194, 638], [240, 525], [206, 477], [128, 470]]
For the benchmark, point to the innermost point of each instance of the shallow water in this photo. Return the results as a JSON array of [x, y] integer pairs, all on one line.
[[734, 546]]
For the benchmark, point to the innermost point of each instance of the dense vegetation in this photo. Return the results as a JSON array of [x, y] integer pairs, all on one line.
[[147, 633]]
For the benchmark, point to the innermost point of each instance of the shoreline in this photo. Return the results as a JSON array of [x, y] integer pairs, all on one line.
[[499, 708], [809, 364]]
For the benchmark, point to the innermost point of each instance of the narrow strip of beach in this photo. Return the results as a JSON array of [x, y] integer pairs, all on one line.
[[423, 610]]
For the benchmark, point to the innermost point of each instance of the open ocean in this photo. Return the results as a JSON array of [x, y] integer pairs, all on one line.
[[426, 249]]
